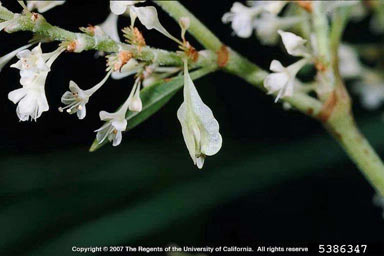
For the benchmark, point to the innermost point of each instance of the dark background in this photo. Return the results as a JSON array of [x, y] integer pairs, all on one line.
[[279, 178]]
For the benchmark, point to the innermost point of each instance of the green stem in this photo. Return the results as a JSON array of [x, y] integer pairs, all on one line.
[[321, 29], [345, 131], [197, 29], [45, 30]]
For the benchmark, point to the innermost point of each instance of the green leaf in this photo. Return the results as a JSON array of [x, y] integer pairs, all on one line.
[[154, 98]]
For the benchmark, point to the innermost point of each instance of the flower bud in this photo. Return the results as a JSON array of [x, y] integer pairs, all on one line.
[[184, 23], [136, 105]]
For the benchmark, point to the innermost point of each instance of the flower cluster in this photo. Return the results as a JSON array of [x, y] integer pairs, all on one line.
[[199, 127], [34, 67], [282, 81], [261, 17]]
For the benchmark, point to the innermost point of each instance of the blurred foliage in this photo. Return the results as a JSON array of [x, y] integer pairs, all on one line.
[[56, 200]]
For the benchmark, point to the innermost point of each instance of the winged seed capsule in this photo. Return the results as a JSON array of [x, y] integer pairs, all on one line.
[[199, 126]]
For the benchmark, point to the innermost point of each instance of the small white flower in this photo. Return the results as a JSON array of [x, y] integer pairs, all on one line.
[[184, 22], [109, 26], [120, 7], [8, 57], [199, 126], [31, 63], [273, 7], [242, 18], [80, 43], [130, 68], [134, 100], [294, 44], [349, 64], [31, 98], [371, 90], [149, 18], [43, 6], [76, 99], [115, 124], [268, 25], [282, 81]]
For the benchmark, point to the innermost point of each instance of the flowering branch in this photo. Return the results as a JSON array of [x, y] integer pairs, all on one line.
[[331, 104], [339, 121], [39, 26], [235, 63]]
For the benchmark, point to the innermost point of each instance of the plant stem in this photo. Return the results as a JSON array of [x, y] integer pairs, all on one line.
[[196, 28], [45, 30], [345, 131]]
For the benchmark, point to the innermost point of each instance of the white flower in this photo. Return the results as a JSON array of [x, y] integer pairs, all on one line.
[[130, 68], [43, 6], [199, 126], [31, 98], [268, 25], [371, 90], [76, 99], [115, 124], [294, 44], [31, 63], [149, 18], [283, 80], [273, 7], [134, 100], [109, 26], [349, 64], [8, 57], [242, 18], [120, 7]]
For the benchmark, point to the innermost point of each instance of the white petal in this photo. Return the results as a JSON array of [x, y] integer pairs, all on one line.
[[276, 82], [149, 18], [118, 7], [200, 162], [349, 64], [128, 69], [82, 112], [16, 95], [43, 6], [67, 98], [242, 25], [187, 134], [120, 125], [202, 115], [276, 66], [109, 26], [294, 44], [105, 116], [117, 139], [6, 58]]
